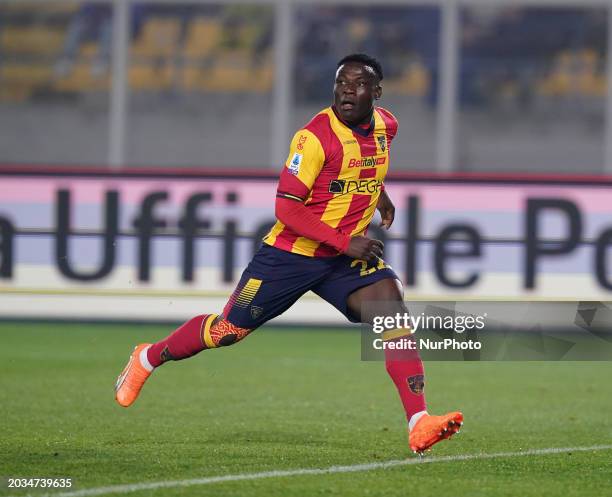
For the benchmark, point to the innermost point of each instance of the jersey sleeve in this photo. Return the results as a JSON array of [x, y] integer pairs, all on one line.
[[391, 122], [304, 163]]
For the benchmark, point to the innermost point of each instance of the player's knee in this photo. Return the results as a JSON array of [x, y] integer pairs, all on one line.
[[390, 289], [223, 333]]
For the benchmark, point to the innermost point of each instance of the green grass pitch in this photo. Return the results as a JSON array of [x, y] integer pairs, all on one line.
[[289, 399]]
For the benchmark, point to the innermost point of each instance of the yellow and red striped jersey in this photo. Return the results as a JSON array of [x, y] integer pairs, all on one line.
[[338, 171]]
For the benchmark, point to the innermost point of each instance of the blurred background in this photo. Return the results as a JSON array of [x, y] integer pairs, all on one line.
[[140, 146], [177, 118], [502, 85]]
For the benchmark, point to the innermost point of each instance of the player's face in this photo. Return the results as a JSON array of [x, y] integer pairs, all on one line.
[[355, 90]]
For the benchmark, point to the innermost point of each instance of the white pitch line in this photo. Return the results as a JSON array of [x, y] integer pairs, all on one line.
[[135, 487]]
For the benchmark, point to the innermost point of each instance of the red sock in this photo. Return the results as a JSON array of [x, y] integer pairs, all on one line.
[[185, 342], [406, 370]]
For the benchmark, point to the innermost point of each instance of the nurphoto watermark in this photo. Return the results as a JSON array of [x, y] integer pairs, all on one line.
[[488, 331]]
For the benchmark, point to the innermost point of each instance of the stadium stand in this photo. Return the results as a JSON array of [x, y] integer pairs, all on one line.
[[57, 48]]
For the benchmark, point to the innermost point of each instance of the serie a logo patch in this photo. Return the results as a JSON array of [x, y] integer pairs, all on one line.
[[294, 165]]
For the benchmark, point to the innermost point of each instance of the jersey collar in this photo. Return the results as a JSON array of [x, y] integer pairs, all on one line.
[[357, 129]]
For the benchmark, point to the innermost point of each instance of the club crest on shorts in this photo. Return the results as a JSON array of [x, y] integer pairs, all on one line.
[[382, 142], [256, 311], [416, 384]]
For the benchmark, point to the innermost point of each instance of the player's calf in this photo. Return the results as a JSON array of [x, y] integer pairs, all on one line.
[[406, 370], [207, 331]]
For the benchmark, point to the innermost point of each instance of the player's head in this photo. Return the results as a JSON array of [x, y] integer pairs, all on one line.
[[357, 86]]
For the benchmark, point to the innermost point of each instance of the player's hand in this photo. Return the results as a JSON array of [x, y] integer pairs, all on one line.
[[365, 248], [386, 209]]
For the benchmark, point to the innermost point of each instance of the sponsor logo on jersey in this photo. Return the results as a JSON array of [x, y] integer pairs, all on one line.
[[382, 142], [349, 142], [294, 165], [367, 162], [342, 186], [301, 140]]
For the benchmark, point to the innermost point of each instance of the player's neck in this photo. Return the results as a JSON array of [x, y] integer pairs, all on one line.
[[364, 124]]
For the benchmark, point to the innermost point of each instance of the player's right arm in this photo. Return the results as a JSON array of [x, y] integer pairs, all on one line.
[[305, 161]]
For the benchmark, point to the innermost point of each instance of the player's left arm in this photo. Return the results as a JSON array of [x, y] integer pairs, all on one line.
[[386, 208], [385, 205]]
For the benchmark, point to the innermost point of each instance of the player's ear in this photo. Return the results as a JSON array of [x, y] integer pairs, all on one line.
[[377, 92]]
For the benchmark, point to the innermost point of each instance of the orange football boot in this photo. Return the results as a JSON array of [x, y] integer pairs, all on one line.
[[132, 378], [429, 430]]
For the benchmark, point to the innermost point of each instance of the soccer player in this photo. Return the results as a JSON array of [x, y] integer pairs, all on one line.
[[329, 189]]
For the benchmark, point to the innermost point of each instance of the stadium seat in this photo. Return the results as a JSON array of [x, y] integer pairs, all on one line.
[[414, 80], [20, 80], [575, 73], [230, 73], [263, 79], [227, 73], [591, 83], [39, 9], [359, 30], [35, 40], [81, 80], [31, 39], [148, 76], [88, 50], [159, 38], [202, 38]]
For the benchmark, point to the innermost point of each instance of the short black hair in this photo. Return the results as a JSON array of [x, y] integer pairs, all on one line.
[[364, 59]]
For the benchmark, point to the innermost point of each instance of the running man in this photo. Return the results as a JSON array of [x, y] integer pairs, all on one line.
[[329, 189]]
